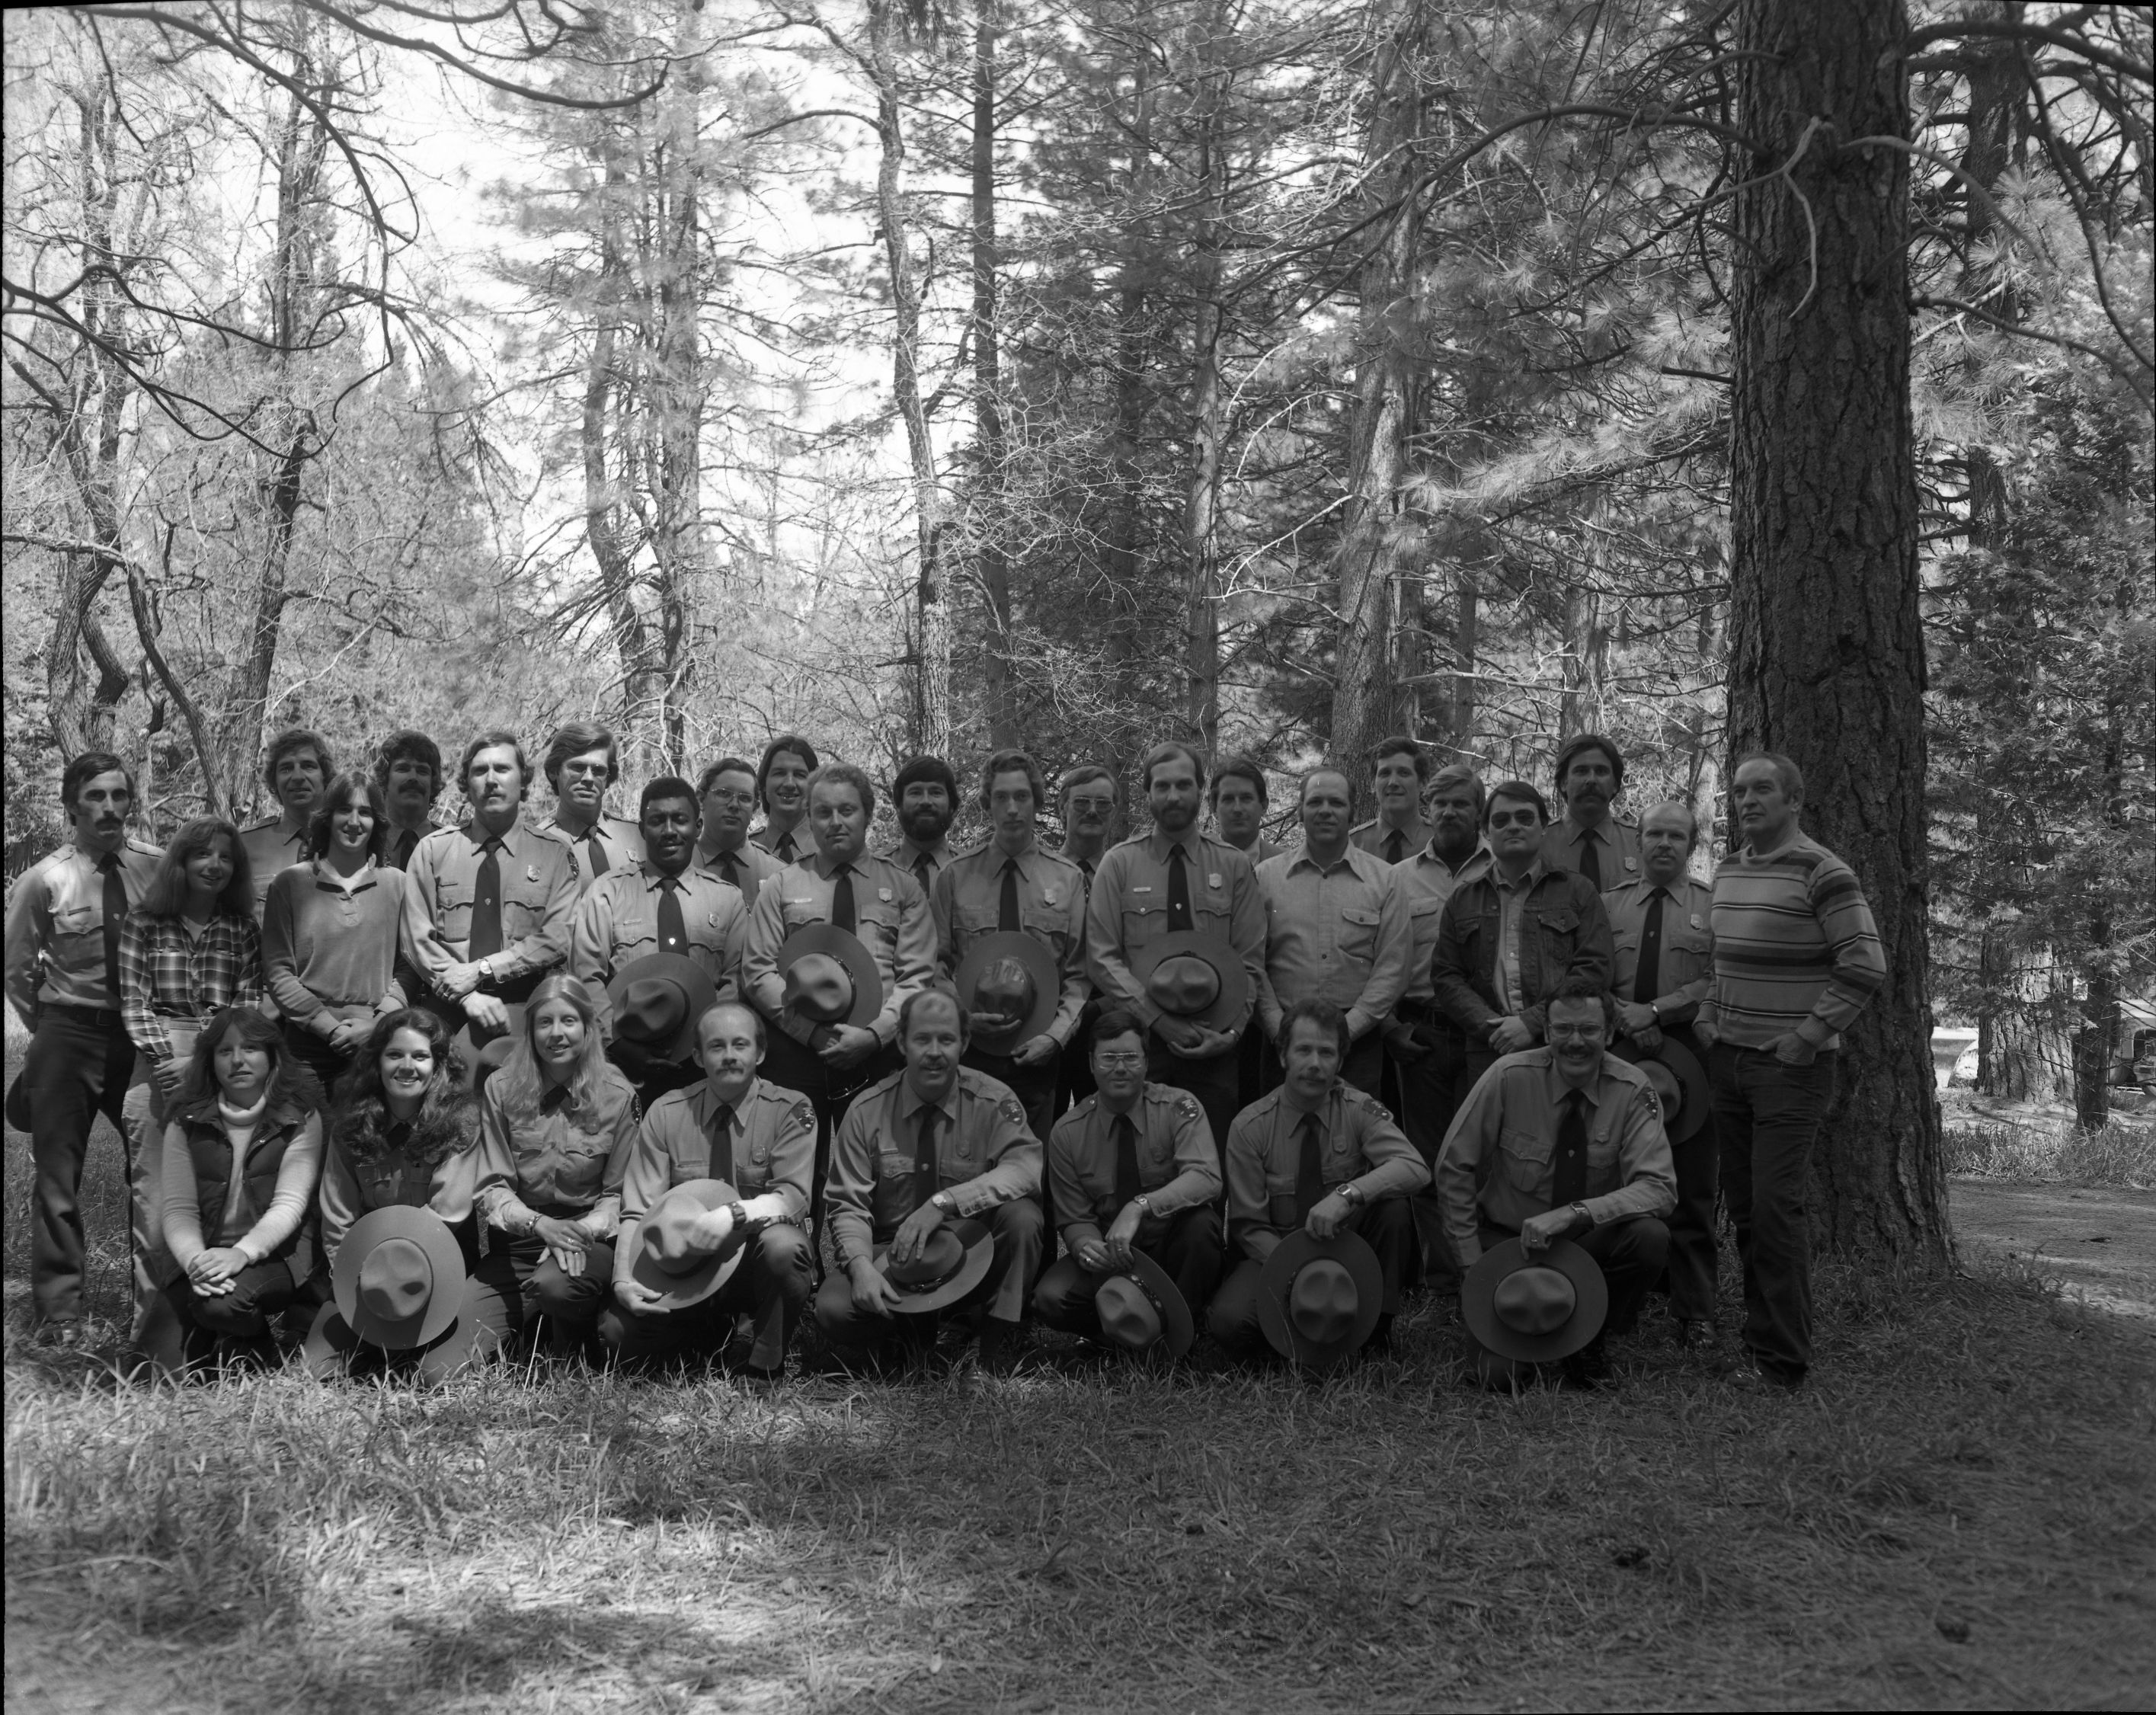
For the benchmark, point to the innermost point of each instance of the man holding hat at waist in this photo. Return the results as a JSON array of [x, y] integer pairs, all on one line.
[[735, 1130], [1316, 1156], [934, 1185], [1564, 1141], [1174, 881], [1010, 887]]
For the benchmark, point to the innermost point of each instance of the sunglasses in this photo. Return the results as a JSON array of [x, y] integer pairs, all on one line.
[[1515, 818]]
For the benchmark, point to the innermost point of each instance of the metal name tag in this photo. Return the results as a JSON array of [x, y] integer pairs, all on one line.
[[1213, 880]]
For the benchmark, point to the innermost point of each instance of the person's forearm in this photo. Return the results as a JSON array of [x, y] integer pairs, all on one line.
[[1188, 1189], [1398, 1176], [1016, 1174]]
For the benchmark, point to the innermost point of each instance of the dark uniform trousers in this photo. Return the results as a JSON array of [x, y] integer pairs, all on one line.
[[1386, 1223], [793, 1066], [1630, 1254], [179, 1332], [1018, 1231], [571, 1303], [1215, 1082], [1186, 1244], [771, 1285], [78, 1065], [1692, 1266], [1425, 1094]]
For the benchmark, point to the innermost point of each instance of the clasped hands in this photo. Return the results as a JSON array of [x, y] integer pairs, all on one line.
[[211, 1272], [1107, 1255], [1191, 1041]]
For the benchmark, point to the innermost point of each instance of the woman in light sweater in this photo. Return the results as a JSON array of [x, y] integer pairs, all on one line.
[[241, 1156], [557, 1124], [329, 931]]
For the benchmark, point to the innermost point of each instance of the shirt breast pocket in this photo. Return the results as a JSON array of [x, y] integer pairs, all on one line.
[[73, 926], [1527, 1160], [453, 909], [1049, 928], [1145, 920], [1359, 933], [1687, 954], [1560, 931], [523, 910]]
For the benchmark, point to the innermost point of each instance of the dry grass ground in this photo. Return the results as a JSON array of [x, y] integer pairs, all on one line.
[[1961, 1511]]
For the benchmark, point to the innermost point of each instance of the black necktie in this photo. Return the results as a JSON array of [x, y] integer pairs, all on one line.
[[116, 914], [1126, 1162], [1007, 915], [922, 871], [841, 900], [555, 1100], [673, 933], [722, 1163], [598, 852], [1568, 1183], [1309, 1170], [1590, 858], [924, 1156], [730, 867], [1396, 846], [486, 906], [1178, 890], [1647, 981]]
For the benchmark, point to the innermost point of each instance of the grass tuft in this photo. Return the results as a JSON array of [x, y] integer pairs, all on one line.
[[2123, 1153]]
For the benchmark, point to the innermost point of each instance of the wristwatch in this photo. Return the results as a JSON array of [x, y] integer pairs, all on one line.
[[1144, 1202], [1655, 1008], [944, 1201], [740, 1215], [1352, 1192], [1579, 1211]]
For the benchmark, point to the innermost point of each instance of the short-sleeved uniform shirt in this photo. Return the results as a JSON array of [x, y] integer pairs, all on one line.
[[1178, 1167], [968, 904], [767, 1143]]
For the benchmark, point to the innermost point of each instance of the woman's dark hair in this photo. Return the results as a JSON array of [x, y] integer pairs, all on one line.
[[167, 894], [199, 1085], [447, 1120], [340, 791]]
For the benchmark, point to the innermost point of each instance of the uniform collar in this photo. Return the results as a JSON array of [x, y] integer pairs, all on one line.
[[1157, 843], [474, 831], [911, 1101], [908, 853], [1555, 1087], [827, 870], [708, 1102], [1302, 859]]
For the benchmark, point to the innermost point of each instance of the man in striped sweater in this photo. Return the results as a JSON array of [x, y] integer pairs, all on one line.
[[1796, 957]]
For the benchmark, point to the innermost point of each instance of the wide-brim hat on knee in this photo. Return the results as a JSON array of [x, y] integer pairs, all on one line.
[[1319, 1299], [19, 1103], [399, 1277], [954, 1261], [1140, 1308], [656, 1001], [327, 1348], [661, 1256], [1198, 978], [1008, 976], [484, 1053], [1681, 1084], [1539, 1308], [830, 976]]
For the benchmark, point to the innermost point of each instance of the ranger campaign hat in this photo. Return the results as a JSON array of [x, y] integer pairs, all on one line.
[[1193, 976], [1536, 1309], [656, 1001], [1319, 1299], [1008, 983], [662, 1256], [831, 976], [953, 1261], [399, 1277], [1140, 1308], [1681, 1084], [331, 1346]]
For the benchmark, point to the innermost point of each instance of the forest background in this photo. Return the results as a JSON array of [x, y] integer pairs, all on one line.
[[1275, 374]]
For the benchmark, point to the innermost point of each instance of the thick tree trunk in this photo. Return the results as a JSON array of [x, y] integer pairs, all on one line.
[[1201, 652], [1467, 642], [1826, 657], [991, 442], [1127, 649]]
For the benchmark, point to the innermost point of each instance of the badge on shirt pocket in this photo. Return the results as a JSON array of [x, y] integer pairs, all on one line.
[[1213, 880], [1631, 863], [884, 894], [1695, 923], [532, 872], [1049, 896]]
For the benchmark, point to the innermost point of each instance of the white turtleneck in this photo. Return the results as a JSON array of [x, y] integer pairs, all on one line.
[[182, 1220]]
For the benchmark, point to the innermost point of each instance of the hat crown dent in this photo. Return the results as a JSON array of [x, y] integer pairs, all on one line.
[[1323, 1301], [1535, 1300], [818, 986], [1128, 1315], [1183, 983], [395, 1281], [652, 1009], [942, 1257], [1005, 991], [667, 1238]]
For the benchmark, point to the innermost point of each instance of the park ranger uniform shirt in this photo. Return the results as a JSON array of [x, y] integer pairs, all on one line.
[[55, 937], [747, 867], [397, 850], [796, 845], [1359, 1144], [1339, 933], [1794, 946], [616, 923], [1178, 1165], [985, 1156], [765, 1144], [1427, 881], [924, 863], [538, 900], [1684, 964], [1616, 846], [563, 1160], [1504, 1138], [968, 904], [611, 843], [350, 1188], [1127, 913], [271, 848], [1375, 836], [891, 918]]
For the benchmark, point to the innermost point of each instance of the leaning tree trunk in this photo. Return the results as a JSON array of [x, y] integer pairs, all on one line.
[[1826, 661]]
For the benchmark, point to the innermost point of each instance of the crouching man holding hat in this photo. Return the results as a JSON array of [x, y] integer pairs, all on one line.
[[1319, 1179], [1565, 1143], [1133, 1171], [935, 1197]]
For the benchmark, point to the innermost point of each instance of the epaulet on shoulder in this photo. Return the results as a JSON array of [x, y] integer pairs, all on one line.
[[1366, 1100], [1085, 1104], [1053, 857]]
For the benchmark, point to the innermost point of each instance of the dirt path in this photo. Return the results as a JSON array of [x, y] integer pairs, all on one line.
[[2101, 1243]]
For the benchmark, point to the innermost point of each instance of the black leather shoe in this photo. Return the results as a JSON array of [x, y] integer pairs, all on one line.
[[1001, 1343]]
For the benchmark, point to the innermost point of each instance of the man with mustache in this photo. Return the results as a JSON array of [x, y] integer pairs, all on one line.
[[296, 768], [582, 760], [63, 979], [782, 786], [925, 797], [1237, 799], [489, 906], [1589, 840], [1398, 830], [409, 770], [726, 793]]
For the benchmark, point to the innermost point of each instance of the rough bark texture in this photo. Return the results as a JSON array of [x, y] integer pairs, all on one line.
[[992, 565], [1208, 402], [1826, 650]]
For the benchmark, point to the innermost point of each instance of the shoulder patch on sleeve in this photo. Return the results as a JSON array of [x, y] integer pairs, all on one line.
[[1370, 1103], [803, 1113], [1012, 1109], [1187, 1108]]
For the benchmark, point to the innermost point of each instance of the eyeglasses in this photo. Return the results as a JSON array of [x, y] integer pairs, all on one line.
[[1099, 806], [1118, 1062], [1514, 818], [738, 800]]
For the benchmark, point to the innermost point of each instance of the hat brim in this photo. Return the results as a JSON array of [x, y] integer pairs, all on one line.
[[446, 1257], [1040, 965], [1299, 1248], [674, 967], [851, 950], [677, 1291], [1691, 1078], [468, 1046], [1478, 1301], [1181, 1327], [328, 1349], [1226, 965], [980, 1252], [18, 1104]]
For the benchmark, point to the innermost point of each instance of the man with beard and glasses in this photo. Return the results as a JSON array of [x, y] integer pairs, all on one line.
[[925, 799], [726, 795], [409, 770], [1590, 840]]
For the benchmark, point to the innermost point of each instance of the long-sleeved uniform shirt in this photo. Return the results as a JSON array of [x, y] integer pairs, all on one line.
[[1371, 836], [891, 918], [1127, 913], [1616, 844], [561, 1162], [1685, 966], [764, 1145], [747, 866], [1339, 933], [1794, 946], [985, 1156], [1178, 1168], [616, 922], [164, 973], [350, 1188], [620, 842], [272, 848], [967, 903], [55, 935], [329, 946], [1360, 1145], [797, 844], [1427, 881], [539, 890], [940, 856], [1504, 1138], [189, 1229]]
